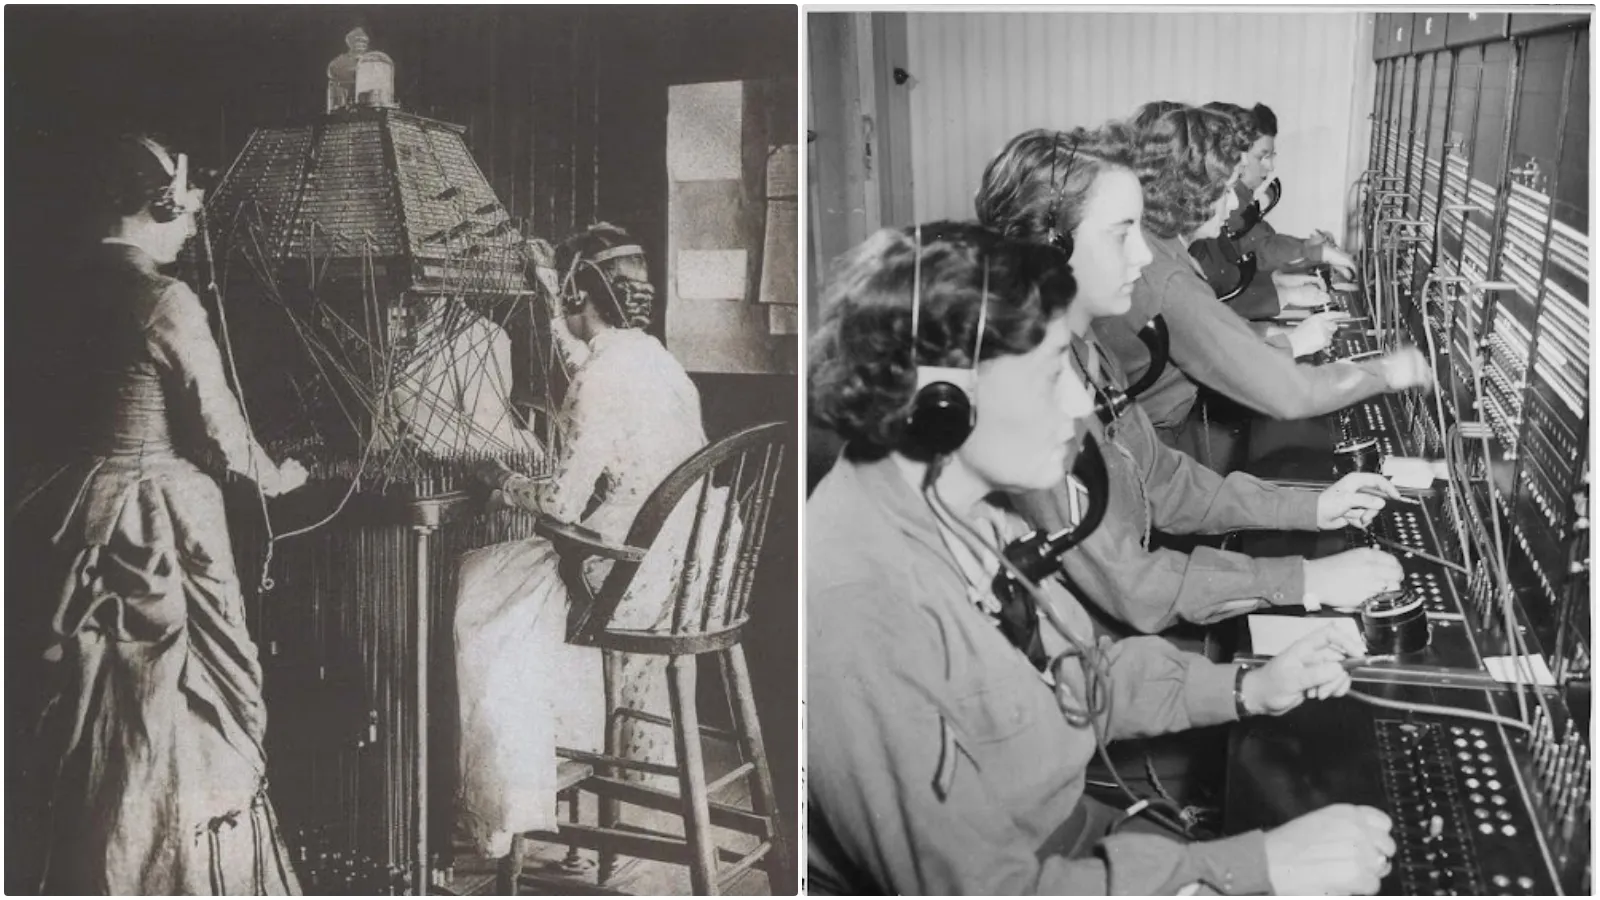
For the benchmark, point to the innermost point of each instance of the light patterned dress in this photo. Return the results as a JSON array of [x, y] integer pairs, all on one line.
[[631, 416]]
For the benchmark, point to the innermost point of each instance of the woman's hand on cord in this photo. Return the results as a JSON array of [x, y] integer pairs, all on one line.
[[1339, 260], [1354, 500], [1314, 334], [291, 475], [1347, 580], [1302, 296], [1407, 368], [1309, 669], [1294, 279], [1339, 850], [492, 473]]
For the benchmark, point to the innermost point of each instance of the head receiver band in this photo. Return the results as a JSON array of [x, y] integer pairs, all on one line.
[[569, 282], [618, 252], [942, 413], [1061, 240], [177, 198]]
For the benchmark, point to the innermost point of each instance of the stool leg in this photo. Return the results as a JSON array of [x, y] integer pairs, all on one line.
[[573, 863], [763, 800], [610, 810], [692, 776]]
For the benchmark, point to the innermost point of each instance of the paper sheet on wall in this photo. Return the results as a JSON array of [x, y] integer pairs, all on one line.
[[710, 274], [705, 131], [1271, 635], [783, 173], [780, 276]]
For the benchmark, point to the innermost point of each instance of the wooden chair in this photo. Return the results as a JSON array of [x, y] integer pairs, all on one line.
[[730, 485]]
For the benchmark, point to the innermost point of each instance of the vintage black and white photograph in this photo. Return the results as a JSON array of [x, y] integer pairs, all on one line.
[[403, 458], [1198, 447]]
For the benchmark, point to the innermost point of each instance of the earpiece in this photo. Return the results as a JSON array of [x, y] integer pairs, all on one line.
[[1060, 240], [175, 198], [942, 414], [569, 284]]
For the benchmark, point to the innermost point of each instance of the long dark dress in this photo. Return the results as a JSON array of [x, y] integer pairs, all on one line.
[[156, 714]]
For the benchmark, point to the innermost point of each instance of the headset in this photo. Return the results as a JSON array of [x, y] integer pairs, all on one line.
[[1248, 217], [569, 283], [176, 198], [942, 414], [1274, 194], [1246, 266], [1060, 240], [1110, 403]]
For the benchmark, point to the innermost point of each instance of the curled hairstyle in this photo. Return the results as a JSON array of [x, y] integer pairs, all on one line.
[[1243, 119], [1184, 159], [862, 371], [1146, 115], [1266, 120], [574, 261], [1040, 174]]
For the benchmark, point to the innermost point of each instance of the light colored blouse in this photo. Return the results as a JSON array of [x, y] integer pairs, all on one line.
[[631, 416]]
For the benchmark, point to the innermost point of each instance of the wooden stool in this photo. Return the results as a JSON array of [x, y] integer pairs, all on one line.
[[731, 484]]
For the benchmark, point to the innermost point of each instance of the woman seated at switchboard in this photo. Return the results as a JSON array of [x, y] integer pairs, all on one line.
[[1079, 192], [1281, 256], [631, 415], [946, 748], [1187, 160]]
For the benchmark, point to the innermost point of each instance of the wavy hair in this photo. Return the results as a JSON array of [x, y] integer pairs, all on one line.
[[1184, 159], [1042, 179], [1146, 115], [862, 371], [1243, 120]]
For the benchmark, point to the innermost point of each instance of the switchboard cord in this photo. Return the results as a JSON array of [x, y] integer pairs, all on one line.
[[1433, 709], [266, 584], [1382, 263], [1096, 711]]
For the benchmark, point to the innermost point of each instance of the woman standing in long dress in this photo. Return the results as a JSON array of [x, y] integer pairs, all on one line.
[[155, 719], [631, 415]]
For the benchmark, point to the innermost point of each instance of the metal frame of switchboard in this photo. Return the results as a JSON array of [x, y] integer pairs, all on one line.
[[1395, 120]]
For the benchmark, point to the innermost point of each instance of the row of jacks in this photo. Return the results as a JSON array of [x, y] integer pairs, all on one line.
[[1561, 770]]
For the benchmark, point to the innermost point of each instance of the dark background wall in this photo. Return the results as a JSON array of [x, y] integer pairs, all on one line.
[[565, 110]]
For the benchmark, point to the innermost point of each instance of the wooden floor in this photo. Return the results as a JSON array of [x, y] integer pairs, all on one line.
[[475, 875]]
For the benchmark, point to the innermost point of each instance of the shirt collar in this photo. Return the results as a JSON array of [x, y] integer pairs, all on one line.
[[612, 337], [907, 510], [1171, 249], [133, 252]]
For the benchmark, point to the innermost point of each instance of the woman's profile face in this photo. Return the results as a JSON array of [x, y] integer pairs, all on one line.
[[1257, 165], [1031, 415], [1108, 246], [1221, 210]]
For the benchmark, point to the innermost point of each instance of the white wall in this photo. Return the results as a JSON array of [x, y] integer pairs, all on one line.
[[983, 77]]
